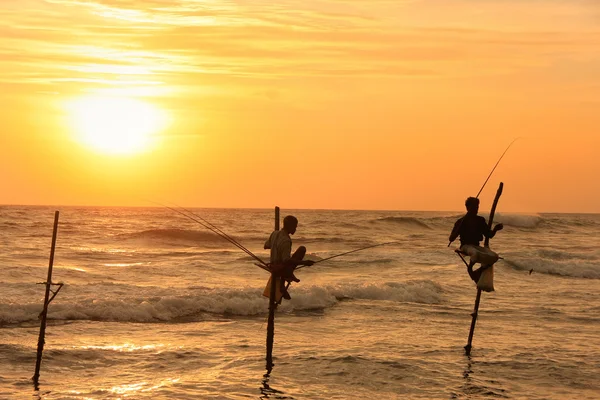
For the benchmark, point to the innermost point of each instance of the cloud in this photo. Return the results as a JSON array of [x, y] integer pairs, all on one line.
[[188, 43]]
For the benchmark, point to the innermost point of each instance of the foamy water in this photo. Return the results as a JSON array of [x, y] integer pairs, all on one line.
[[155, 306]]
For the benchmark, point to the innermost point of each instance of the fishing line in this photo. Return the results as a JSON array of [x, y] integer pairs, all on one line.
[[348, 252], [196, 218], [225, 235]]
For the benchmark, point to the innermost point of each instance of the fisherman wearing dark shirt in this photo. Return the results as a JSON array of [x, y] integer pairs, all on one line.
[[471, 229]]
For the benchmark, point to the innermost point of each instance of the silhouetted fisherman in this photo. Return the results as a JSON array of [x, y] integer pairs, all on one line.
[[472, 228], [283, 263]]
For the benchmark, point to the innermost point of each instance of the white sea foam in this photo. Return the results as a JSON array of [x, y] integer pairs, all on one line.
[[589, 269], [518, 220], [129, 304]]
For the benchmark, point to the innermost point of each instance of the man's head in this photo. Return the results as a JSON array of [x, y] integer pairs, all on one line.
[[472, 204], [290, 223]]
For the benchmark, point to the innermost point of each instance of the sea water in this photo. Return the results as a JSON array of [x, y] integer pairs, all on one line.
[[155, 306]]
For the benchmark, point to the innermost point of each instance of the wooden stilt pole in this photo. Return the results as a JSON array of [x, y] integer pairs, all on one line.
[[478, 298], [272, 307], [47, 300], [473, 321]]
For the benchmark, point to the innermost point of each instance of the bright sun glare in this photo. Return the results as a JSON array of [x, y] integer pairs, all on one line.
[[116, 125]]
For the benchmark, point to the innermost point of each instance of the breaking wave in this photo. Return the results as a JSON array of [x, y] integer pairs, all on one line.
[[518, 220], [128, 304], [588, 269]]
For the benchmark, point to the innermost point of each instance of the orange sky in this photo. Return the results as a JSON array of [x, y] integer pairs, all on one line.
[[305, 104]]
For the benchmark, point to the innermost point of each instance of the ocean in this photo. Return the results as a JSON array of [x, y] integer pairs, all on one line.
[[154, 306]]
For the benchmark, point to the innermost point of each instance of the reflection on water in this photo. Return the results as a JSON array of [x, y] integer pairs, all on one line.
[[126, 347], [37, 395], [267, 392], [468, 371], [142, 387], [478, 387]]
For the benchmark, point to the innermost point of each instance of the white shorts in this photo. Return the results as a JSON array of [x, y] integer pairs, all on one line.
[[478, 254]]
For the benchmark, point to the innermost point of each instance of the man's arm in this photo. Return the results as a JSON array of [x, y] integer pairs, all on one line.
[[268, 242], [455, 231], [490, 233], [295, 263]]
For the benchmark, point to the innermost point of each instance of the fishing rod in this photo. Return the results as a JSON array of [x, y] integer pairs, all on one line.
[[488, 178], [196, 218], [348, 252], [493, 169], [338, 255], [225, 235]]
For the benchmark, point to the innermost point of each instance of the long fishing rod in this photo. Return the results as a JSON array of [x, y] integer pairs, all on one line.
[[188, 214], [214, 227], [493, 169], [348, 252], [489, 176]]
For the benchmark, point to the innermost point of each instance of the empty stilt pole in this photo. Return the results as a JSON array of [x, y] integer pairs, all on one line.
[[47, 300]]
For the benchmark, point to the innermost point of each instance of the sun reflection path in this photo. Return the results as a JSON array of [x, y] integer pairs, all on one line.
[[133, 389], [126, 347]]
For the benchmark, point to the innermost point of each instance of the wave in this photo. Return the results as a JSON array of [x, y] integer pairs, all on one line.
[[410, 222], [587, 269], [518, 220], [186, 235], [378, 261], [415, 291], [327, 240], [121, 303]]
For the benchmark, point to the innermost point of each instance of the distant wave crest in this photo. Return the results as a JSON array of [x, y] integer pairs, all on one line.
[[173, 234], [410, 222], [519, 220], [578, 268]]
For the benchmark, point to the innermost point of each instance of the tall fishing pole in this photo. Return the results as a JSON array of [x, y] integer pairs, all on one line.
[[489, 176], [493, 169]]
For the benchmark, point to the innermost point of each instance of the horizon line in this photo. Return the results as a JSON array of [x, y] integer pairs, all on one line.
[[292, 208]]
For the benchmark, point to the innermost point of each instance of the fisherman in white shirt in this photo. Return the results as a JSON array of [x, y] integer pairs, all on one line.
[[283, 262]]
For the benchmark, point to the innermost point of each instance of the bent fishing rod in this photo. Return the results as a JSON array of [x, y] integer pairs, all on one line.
[[198, 219], [489, 176]]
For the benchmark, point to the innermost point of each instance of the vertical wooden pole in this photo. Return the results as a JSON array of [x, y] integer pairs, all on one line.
[[486, 243], [272, 307], [478, 298], [473, 321], [43, 315]]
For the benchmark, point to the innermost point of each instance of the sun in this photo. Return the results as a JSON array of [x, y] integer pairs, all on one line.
[[116, 125]]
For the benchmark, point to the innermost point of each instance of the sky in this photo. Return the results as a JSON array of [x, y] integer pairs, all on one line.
[[327, 104]]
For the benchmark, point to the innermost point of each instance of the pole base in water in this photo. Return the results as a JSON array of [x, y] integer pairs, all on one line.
[[468, 349]]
